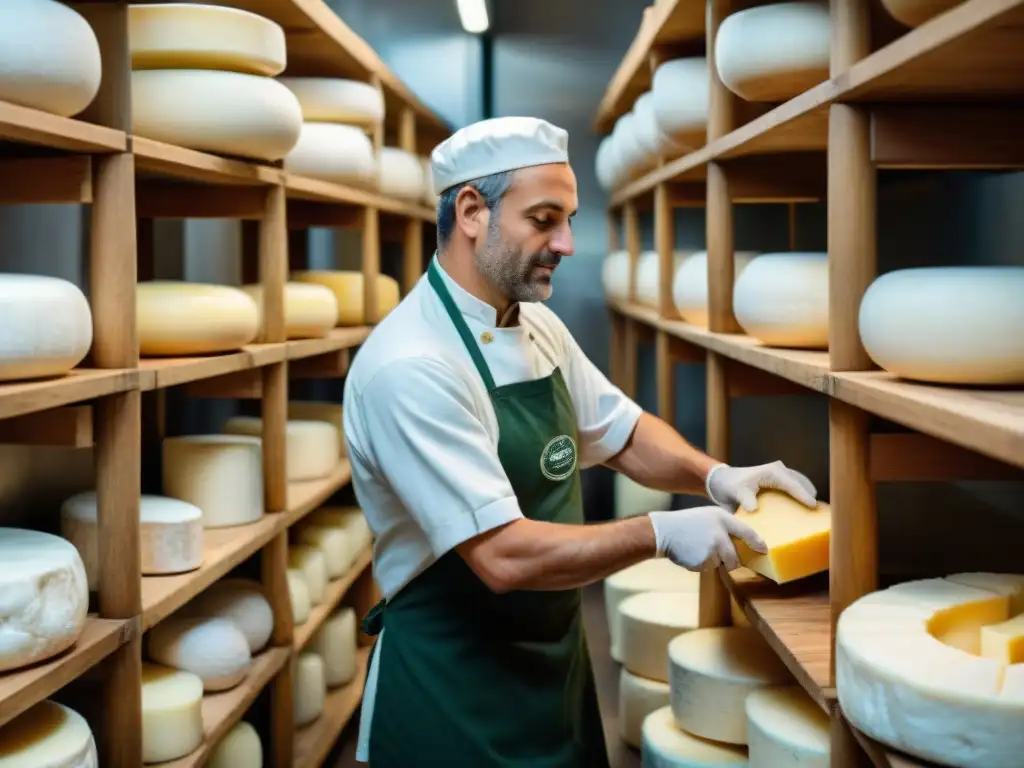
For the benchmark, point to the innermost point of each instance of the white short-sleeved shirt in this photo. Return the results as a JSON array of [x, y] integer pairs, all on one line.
[[422, 435]]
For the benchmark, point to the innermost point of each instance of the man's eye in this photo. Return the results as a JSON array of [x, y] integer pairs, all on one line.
[[539, 222]]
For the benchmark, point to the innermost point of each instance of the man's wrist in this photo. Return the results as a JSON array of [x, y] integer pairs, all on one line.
[[717, 465]]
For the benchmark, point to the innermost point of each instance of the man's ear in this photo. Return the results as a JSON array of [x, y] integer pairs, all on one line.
[[471, 212]]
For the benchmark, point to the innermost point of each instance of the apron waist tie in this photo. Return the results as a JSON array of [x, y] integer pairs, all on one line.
[[373, 622]]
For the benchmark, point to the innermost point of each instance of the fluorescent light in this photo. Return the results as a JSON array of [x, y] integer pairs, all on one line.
[[473, 14]]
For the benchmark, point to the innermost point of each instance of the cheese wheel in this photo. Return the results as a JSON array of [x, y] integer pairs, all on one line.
[[49, 57], [652, 140], [615, 276], [648, 275], [650, 621], [241, 746], [786, 728], [797, 537], [430, 196], [336, 643], [47, 735], [665, 745], [311, 447], [193, 36], [690, 285], [342, 154], [242, 602], [44, 596], [213, 649], [170, 534], [172, 713], [348, 290], [401, 174], [226, 113], [914, 13], [712, 672], [179, 318], [638, 697], [679, 91], [310, 689], [632, 499], [309, 310], [350, 519], [220, 474], [298, 596], [310, 562], [332, 413], [333, 100], [781, 299], [333, 543], [604, 164], [47, 324], [947, 325], [774, 52], [629, 152]]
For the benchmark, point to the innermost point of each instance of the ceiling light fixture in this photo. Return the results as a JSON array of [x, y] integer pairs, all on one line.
[[473, 15]]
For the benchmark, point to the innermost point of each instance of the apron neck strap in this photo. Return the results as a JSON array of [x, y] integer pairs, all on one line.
[[437, 283]]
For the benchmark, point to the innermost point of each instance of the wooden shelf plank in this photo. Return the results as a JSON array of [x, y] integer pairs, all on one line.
[[883, 757], [163, 372], [160, 159], [314, 742], [22, 688], [21, 397], [305, 188], [306, 496], [32, 126], [339, 338], [336, 591]]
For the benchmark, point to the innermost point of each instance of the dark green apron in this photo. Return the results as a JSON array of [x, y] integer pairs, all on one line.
[[471, 678]]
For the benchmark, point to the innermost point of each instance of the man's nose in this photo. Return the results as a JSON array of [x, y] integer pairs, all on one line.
[[562, 241]]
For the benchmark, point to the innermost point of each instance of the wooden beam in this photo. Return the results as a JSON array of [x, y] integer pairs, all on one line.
[[243, 385], [791, 177], [745, 381], [330, 366], [682, 351], [303, 215], [917, 457], [687, 194], [69, 427], [174, 200], [63, 179]]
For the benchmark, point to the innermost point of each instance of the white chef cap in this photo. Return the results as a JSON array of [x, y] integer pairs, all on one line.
[[496, 145]]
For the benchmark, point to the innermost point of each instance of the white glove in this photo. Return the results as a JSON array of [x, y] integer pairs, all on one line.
[[692, 537], [732, 487]]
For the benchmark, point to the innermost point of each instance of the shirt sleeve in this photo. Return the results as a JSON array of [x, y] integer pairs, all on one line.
[[431, 447]]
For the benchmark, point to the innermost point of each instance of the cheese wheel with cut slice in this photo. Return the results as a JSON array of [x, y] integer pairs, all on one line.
[[638, 697], [176, 318], [213, 649], [241, 746], [665, 745], [298, 596], [336, 643], [401, 174], [342, 154], [679, 92], [309, 310], [781, 299], [47, 735], [690, 285], [334, 100], [797, 537], [310, 562], [243, 603], [310, 688], [311, 447], [785, 727], [172, 713], [348, 290], [332, 413], [649, 623], [220, 474]]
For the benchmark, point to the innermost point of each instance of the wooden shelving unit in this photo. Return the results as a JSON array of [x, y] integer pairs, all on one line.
[[943, 95], [114, 402]]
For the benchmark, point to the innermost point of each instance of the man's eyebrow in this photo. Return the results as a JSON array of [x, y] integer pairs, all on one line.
[[549, 204]]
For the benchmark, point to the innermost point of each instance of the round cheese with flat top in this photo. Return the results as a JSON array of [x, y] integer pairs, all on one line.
[[220, 474], [679, 100], [649, 622], [666, 745], [781, 299], [615, 275], [638, 697], [401, 174], [336, 643], [785, 728], [332, 413], [335, 100], [348, 290], [310, 688], [341, 154], [334, 543], [177, 318], [309, 310], [690, 285], [243, 603], [351, 520], [310, 562], [298, 596], [172, 713], [214, 649], [311, 447], [47, 735], [240, 748]]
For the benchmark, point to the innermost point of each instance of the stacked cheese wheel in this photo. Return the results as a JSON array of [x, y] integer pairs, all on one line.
[[311, 447], [203, 78], [332, 413], [240, 746], [690, 285], [220, 474], [48, 735], [178, 318], [310, 311], [348, 290], [781, 299]]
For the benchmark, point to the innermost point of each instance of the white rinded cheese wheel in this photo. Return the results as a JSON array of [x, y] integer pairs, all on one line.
[[648, 273], [332, 413], [348, 290], [309, 310], [170, 534], [213, 649], [947, 325], [604, 163], [311, 563], [243, 603], [665, 745], [47, 324], [298, 595], [310, 689], [650, 621], [615, 275], [680, 101], [220, 474], [638, 697], [632, 499], [690, 285], [336, 643], [342, 154], [712, 671], [179, 318], [430, 196], [333, 100], [914, 13], [652, 140], [774, 52], [333, 543], [48, 735], [49, 57], [226, 113], [241, 746], [193, 36], [786, 728], [401, 174], [311, 447], [629, 154], [172, 713], [782, 299], [44, 596], [350, 519]]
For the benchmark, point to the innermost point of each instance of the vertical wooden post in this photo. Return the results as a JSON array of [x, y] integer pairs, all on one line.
[[371, 264], [412, 255], [714, 597], [844, 752], [273, 262], [666, 379], [274, 574], [631, 225], [665, 244], [721, 267], [630, 346], [614, 221]]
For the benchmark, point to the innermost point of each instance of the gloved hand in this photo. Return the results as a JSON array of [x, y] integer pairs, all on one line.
[[732, 487], [691, 537]]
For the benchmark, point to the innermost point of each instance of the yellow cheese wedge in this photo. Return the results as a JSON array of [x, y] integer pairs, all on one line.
[[797, 537], [1004, 641]]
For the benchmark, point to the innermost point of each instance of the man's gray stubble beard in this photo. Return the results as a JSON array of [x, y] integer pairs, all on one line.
[[507, 271]]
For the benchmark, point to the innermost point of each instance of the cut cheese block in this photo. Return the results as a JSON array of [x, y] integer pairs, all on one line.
[[332, 413], [48, 735], [653, 141], [213, 649], [220, 474], [310, 689], [348, 290], [648, 280], [47, 324], [401, 174], [298, 596], [226, 113], [774, 52], [309, 310], [49, 57], [310, 562], [914, 13], [665, 745], [947, 325], [170, 534], [242, 602], [797, 537], [615, 275], [690, 285], [179, 318], [241, 746], [781, 299], [333, 100], [1009, 584], [638, 697], [44, 596], [172, 713], [342, 154], [311, 447], [336, 643], [193, 36], [680, 101], [712, 672], [334, 543], [1004, 641], [785, 727], [650, 621]]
